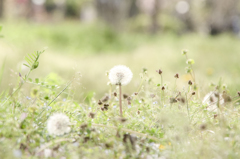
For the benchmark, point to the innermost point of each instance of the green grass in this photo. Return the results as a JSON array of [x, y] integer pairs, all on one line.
[[215, 56], [156, 126]]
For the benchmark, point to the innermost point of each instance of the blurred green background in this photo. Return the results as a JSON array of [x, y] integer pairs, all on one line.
[[92, 36]]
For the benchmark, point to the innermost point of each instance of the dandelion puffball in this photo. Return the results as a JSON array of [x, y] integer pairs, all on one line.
[[120, 75], [58, 124], [211, 99]]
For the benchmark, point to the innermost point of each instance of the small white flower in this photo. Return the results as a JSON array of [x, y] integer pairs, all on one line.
[[47, 153], [211, 99], [120, 75], [58, 124]]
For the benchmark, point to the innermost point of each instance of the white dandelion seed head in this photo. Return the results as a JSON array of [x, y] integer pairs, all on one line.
[[58, 124], [120, 75], [211, 99]]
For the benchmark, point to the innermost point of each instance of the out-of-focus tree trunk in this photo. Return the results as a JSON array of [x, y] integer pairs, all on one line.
[[154, 17], [133, 10], [221, 15], [1, 8], [113, 12]]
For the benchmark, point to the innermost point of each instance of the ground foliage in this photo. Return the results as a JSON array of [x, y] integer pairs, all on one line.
[[159, 120]]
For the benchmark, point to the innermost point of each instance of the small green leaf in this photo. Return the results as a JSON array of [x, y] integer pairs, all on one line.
[[158, 84], [30, 80], [26, 65], [36, 80], [46, 98]]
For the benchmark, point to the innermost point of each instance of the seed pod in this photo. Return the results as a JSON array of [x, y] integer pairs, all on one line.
[[105, 99], [106, 106], [177, 75], [159, 71], [203, 127], [190, 82], [173, 100], [91, 115], [83, 126], [100, 102], [125, 96], [123, 120]]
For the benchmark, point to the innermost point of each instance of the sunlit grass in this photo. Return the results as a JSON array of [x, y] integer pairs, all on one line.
[[163, 116], [215, 56]]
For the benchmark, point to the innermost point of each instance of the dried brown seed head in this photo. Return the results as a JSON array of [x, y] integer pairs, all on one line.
[[91, 115], [173, 100], [176, 75], [159, 71], [193, 93], [115, 94], [211, 99], [226, 98], [83, 126], [190, 82], [163, 88], [181, 99], [100, 102], [123, 120], [203, 127], [105, 99], [125, 96], [105, 106]]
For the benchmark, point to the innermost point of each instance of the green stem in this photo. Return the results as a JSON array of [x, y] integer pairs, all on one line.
[[187, 106], [120, 100], [19, 87]]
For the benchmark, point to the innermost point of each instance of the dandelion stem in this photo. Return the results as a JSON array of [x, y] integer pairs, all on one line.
[[162, 94], [120, 99]]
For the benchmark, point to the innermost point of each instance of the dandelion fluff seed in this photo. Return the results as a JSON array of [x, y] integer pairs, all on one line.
[[120, 75], [58, 124]]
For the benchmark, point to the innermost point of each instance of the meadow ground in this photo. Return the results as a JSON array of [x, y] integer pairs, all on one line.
[[159, 123]]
